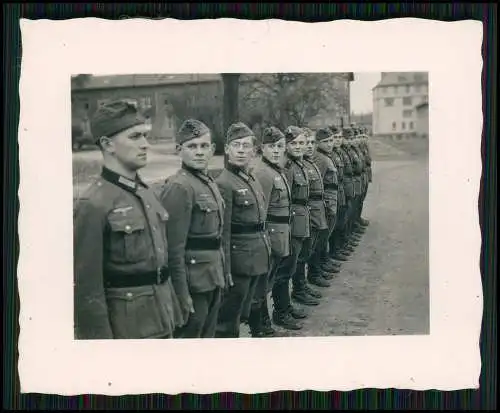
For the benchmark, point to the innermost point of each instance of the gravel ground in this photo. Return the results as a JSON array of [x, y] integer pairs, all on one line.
[[384, 288]]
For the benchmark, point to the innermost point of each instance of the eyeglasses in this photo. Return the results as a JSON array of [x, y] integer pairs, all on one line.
[[238, 145]]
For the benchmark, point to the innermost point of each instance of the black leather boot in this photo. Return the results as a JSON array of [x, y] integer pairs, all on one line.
[[267, 327]]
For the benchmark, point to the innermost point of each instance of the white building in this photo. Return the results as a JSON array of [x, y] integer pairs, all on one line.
[[395, 99]]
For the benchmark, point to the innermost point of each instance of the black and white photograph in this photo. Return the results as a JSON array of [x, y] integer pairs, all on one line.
[[249, 206]]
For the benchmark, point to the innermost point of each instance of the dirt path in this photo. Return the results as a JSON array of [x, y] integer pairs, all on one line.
[[384, 288]]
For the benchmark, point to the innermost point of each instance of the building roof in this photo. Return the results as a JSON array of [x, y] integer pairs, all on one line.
[[89, 82], [402, 79]]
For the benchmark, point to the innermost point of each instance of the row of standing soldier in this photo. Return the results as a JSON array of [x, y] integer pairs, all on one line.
[[203, 257]]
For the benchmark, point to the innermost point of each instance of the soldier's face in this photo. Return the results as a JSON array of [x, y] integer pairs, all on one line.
[[326, 144], [196, 153], [337, 141], [240, 151], [297, 146], [274, 152], [129, 147], [310, 146]]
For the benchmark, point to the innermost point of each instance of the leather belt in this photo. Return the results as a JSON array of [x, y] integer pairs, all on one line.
[[195, 244], [300, 202], [316, 197], [247, 228], [283, 219], [331, 186], [120, 280]]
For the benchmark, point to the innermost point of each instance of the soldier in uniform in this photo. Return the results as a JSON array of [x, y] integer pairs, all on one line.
[[343, 243], [319, 262], [269, 172], [122, 283], [336, 237], [246, 245], [319, 227], [354, 230], [194, 232], [363, 145], [284, 313]]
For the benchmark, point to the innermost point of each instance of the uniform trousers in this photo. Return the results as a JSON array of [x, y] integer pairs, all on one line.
[[299, 276], [320, 253], [202, 323], [235, 305], [284, 272]]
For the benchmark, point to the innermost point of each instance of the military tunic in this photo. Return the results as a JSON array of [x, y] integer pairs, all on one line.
[[329, 175], [299, 185], [357, 170], [122, 285], [368, 160], [244, 232], [278, 203], [316, 197], [348, 173], [194, 231], [339, 164], [246, 245]]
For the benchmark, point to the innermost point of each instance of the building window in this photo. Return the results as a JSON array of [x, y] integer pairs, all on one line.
[[411, 125], [393, 125], [418, 77], [407, 113], [417, 88], [389, 101], [408, 88], [403, 125], [401, 78], [382, 90], [395, 89], [407, 101]]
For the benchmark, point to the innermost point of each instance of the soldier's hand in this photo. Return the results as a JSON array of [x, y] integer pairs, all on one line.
[[189, 304], [187, 308], [229, 281]]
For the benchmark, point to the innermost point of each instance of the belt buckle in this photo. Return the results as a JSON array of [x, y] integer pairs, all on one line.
[[158, 276]]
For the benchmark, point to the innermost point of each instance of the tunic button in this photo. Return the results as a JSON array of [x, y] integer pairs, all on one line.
[[208, 209], [272, 229], [127, 228], [129, 295], [246, 202], [148, 206], [193, 261]]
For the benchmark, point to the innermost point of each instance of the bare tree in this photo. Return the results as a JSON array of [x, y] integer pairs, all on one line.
[[284, 99]]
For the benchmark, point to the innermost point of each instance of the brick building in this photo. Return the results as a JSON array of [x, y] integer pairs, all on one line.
[[169, 98], [154, 93]]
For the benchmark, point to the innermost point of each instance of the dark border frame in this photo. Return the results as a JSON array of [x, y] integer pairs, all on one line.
[[484, 398]]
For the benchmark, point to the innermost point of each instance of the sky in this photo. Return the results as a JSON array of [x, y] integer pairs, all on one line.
[[361, 91]]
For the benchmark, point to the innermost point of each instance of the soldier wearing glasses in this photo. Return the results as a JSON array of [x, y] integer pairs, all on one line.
[[246, 245]]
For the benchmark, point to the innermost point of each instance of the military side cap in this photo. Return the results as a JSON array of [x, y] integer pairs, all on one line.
[[334, 130], [347, 132], [272, 135], [238, 131], [292, 133], [324, 133], [114, 117], [191, 129], [307, 132]]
